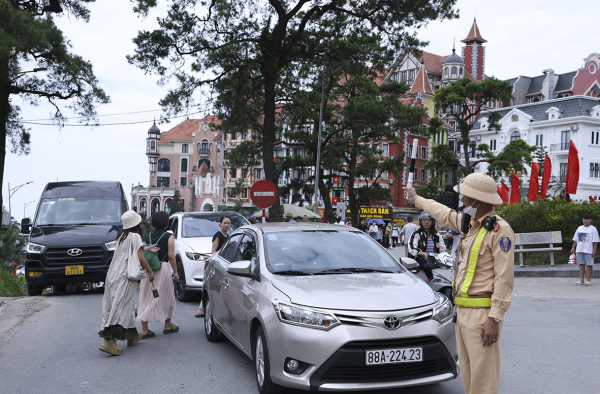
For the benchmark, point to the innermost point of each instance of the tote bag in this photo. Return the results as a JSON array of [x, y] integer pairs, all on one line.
[[135, 271]]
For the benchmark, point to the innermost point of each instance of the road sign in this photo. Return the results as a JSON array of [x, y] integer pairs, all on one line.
[[263, 194]]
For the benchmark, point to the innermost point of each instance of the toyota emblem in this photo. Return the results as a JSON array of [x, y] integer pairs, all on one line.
[[392, 322], [74, 252]]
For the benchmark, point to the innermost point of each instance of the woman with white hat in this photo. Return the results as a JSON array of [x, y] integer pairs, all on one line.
[[118, 303]]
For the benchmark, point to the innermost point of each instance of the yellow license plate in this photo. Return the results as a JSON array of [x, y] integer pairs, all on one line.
[[74, 270]]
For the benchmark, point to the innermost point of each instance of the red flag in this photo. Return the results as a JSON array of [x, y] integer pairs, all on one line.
[[499, 190], [336, 179], [515, 193], [546, 176], [534, 183], [572, 170], [505, 193]]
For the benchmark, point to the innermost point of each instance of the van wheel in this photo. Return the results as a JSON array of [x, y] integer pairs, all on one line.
[[34, 290], [59, 288], [210, 328], [180, 293], [262, 363]]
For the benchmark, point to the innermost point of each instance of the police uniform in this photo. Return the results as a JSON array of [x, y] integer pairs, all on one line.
[[483, 282]]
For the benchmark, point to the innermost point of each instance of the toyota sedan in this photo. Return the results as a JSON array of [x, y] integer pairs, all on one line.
[[325, 308]]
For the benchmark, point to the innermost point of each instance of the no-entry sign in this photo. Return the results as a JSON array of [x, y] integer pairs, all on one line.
[[263, 194]]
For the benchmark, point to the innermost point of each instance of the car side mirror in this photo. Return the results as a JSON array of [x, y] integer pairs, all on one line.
[[408, 263], [241, 268], [25, 225]]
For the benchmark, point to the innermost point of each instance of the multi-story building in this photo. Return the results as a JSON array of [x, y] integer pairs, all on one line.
[[551, 124]]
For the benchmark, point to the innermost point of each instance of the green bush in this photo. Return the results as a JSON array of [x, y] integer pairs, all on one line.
[[11, 286], [548, 215]]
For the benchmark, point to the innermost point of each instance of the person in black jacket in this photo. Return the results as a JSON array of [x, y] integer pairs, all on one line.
[[423, 241]]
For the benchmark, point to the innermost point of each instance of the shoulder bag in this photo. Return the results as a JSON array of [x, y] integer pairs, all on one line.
[[151, 257]]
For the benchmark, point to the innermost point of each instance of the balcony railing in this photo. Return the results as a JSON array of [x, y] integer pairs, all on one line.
[[203, 152], [559, 147]]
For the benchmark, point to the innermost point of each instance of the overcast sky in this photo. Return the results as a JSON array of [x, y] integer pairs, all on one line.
[[524, 37]]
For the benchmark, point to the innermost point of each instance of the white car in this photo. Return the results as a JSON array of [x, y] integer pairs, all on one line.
[[193, 232]]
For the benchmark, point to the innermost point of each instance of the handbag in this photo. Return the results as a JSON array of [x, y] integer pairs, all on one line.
[[135, 271], [152, 258]]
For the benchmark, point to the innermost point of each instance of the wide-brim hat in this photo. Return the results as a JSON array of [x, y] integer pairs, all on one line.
[[479, 187], [130, 219]]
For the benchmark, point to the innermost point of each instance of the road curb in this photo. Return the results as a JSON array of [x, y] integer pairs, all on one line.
[[569, 271]]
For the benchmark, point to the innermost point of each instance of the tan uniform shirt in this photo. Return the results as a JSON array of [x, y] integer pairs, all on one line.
[[494, 274]]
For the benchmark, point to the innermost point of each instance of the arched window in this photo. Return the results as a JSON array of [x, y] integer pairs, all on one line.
[[446, 71], [535, 100], [460, 71], [515, 136], [152, 145], [210, 148], [184, 163], [203, 147], [168, 205], [164, 165], [143, 205], [155, 206], [184, 148], [520, 96], [203, 161], [454, 71]]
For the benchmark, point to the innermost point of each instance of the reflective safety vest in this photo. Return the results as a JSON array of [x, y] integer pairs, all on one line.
[[462, 298]]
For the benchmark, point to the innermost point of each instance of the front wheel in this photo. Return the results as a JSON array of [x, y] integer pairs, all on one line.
[[210, 328], [263, 365], [180, 293]]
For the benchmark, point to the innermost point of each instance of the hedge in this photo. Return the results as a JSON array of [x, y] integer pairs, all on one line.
[[11, 286], [548, 215]]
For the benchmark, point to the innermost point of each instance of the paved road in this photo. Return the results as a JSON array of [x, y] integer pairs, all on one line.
[[549, 345]]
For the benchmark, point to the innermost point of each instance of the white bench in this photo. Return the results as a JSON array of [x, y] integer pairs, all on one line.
[[546, 238]]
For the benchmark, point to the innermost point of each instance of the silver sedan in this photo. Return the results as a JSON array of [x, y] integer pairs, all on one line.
[[326, 308]]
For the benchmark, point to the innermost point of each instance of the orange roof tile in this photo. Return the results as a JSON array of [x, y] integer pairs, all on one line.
[[203, 170], [433, 62], [474, 34], [421, 83], [183, 131]]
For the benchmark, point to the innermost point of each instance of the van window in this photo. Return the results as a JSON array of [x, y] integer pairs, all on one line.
[[79, 210]]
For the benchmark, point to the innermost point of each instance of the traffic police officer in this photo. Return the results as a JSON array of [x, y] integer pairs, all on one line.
[[483, 280]]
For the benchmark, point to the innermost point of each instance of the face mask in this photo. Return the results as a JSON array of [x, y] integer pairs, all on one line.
[[470, 210]]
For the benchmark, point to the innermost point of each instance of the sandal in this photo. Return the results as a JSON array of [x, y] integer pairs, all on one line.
[[199, 315], [578, 283], [151, 334], [174, 328], [587, 283]]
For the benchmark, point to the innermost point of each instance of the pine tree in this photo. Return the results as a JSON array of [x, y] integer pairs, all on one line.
[[178, 205]]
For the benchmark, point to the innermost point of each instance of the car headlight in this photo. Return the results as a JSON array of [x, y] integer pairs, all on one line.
[[194, 256], [443, 312], [111, 246], [449, 260], [34, 248], [302, 316]]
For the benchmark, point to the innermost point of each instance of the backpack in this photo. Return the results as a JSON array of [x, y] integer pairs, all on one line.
[[152, 258]]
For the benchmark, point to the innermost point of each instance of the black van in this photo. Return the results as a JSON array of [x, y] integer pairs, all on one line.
[[72, 238]]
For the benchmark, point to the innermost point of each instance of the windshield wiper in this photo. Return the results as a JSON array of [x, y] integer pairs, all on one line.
[[352, 270], [292, 272]]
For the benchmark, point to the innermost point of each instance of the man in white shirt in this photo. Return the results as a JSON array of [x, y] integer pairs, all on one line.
[[395, 234], [406, 232], [585, 242]]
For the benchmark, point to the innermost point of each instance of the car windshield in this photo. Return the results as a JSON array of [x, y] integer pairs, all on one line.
[[322, 252], [208, 225], [79, 210]]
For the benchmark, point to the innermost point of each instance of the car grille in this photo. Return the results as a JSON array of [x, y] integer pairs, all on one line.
[[348, 364], [378, 322], [59, 257]]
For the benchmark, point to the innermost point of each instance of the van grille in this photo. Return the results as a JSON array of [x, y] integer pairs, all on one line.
[[90, 255]]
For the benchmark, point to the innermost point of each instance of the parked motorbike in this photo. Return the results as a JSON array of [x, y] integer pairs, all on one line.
[[442, 271]]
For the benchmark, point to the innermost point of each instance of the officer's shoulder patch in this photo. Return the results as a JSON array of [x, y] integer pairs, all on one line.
[[505, 244], [496, 227]]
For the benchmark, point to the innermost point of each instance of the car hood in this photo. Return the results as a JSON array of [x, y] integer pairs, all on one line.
[[74, 235], [359, 292], [199, 244]]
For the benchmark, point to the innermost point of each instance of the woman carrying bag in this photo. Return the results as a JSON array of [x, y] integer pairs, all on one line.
[[127, 267], [157, 299]]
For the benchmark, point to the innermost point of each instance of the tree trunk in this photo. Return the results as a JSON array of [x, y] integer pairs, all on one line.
[[328, 211], [352, 201], [4, 111]]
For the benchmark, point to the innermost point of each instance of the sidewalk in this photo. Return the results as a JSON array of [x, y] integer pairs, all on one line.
[[538, 271]]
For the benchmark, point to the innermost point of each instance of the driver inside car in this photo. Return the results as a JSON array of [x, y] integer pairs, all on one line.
[[424, 241]]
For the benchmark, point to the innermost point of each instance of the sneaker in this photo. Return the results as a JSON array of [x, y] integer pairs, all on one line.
[[132, 342], [111, 348]]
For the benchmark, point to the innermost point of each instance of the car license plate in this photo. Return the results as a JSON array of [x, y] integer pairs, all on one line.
[[393, 356], [74, 270]]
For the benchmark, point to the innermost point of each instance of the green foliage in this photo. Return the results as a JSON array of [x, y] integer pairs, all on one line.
[[548, 215], [12, 244], [178, 205], [11, 286], [512, 158], [237, 207]]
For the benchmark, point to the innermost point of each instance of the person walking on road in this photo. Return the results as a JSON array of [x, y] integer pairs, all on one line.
[[483, 281], [406, 233], [395, 235], [118, 302], [373, 230], [161, 308], [217, 243], [585, 243]]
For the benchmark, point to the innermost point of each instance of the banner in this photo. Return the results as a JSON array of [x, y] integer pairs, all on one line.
[[546, 176], [534, 182], [383, 213], [572, 170], [515, 192]]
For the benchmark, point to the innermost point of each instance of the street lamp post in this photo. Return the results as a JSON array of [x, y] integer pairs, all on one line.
[[25, 205], [10, 195], [317, 172]]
